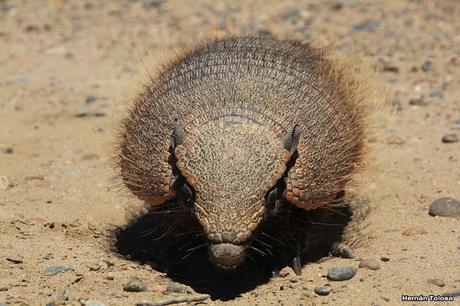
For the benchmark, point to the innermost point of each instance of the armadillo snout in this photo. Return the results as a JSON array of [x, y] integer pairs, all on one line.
[[227, 256]]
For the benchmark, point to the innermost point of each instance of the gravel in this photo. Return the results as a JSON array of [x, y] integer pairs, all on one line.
[[370, 264], [323, 290], [450, 138], [53, 270], [445, 207], [341, 273], [436, 281]]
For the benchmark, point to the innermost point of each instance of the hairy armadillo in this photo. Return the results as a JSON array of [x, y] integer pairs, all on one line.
[[242, 128]]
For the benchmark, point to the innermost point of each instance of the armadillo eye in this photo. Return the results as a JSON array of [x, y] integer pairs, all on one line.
[[186, 195]]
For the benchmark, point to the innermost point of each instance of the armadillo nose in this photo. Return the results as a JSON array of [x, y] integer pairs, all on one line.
[[226, 255]]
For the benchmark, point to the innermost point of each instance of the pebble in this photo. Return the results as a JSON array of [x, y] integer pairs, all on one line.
[[416, 230], [342, 250], [134, 285], [450, 138], [437, 94], [62, 294], [418, 102], [436, 281], [341, 273], [452, 293], [384, 259], [94, 303], [445, 207], [286, 271], [370, 264], [323, 290], [427, 65], [53, 270], [456, 124], [90, 99], [8, 150], [175, 287]]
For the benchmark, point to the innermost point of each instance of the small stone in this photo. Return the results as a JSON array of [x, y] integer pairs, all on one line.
[[427, 65], [416, 230], [456, 124], [286, 271], [436, 281], [418, 102], [370, 264], [342, 250], [341, 273], [323, 290], [90, 99], [445, 207], [384, 259], [437, 94], [94, 303], [134, 285], [8, 150], [61, 294], [452, 293], [178, 288], [110, 276], [450, 138], [53, 270]]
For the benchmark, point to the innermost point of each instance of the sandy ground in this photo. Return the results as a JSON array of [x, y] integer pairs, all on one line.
[[65, 68]]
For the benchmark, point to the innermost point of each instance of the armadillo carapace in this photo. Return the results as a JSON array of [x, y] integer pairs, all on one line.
[[244, 125]]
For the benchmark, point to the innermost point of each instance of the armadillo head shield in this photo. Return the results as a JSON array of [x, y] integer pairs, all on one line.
[[230, 166]]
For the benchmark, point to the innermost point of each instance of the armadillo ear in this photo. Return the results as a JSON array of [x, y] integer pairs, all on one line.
[[291, 139], [178, 133]]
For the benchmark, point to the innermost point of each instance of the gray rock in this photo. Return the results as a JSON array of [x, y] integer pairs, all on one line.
[[94, 303], [445, 207], [134, 285], [427, 65], [436, 281], [456, 124], [450, 138], [452, 293], [62, 294], [90, 99], [341, 273], [437, 94], [178, 288], [323, 290], [53, 270]]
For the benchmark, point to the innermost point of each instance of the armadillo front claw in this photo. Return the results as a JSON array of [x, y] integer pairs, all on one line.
[[297, 265]]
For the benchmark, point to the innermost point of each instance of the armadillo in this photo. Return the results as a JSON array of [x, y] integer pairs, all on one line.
[[244, 127]]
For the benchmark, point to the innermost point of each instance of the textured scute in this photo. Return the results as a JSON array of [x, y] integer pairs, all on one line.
[[274, 84], [231, 163]]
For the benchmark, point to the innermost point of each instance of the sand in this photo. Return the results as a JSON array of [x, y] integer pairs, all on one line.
[[66, 72]]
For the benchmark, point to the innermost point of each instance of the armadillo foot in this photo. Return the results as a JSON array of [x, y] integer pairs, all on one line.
[[296, 265]]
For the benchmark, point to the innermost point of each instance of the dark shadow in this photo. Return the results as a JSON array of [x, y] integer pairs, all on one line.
[[170, 240]]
